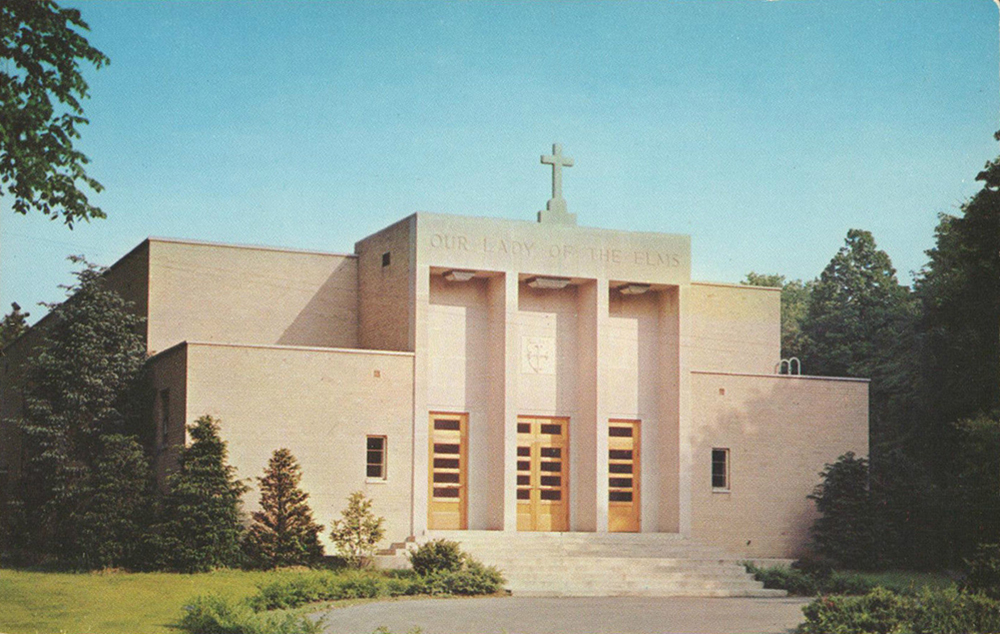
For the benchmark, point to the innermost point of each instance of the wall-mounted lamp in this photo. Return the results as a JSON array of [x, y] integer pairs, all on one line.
[[549, 283], [633, 289], [458, 275]]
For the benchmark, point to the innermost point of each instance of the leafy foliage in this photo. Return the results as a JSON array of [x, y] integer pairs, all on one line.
[[437, 555], [984, 571], [213, 614], [80, 386], [41, 88], [119, 506], [358, 532], [283, 532], [201, 527], [795, 296], [845, 531], [14, 324], [883, 612]]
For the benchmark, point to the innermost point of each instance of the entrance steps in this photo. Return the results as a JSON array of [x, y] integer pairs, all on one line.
[[603, 564]]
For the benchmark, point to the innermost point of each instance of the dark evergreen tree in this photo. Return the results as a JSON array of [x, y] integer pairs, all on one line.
[[117, 509], [80, 386], [201, 526], [846, 530], [283, 532]]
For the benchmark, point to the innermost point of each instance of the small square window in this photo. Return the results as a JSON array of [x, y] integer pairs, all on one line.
[[720, 469], [386, 258], [375, 467]]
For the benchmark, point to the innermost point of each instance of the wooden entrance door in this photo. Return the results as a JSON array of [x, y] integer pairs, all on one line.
[[623, 476], [448, 472], [542, 474]]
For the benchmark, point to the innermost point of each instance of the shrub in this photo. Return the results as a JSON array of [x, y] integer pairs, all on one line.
[[283, 532], [845, 531], [215, 615], [878, 612], [473, 579], [201, 527], [358, 532], [438, 555], [984, 571], [794, 581], [883, 612]]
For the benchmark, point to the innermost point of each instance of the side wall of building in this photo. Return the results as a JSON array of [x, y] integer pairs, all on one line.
[[734, 328], [320, 404], [168, 425], [780, 432], [386, 270], [222, 293]]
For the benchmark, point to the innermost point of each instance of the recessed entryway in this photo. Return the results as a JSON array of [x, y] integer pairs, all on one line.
[[542, 474], [448, 473]]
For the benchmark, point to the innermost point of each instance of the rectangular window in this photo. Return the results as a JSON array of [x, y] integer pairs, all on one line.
[[164, 417], [375, 469], [386, 259], [720, 469]]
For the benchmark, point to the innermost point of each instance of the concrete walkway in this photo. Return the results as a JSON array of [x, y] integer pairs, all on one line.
[[574, 615]]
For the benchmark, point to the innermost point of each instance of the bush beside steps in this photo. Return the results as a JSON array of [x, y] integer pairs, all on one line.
[[280, 607]]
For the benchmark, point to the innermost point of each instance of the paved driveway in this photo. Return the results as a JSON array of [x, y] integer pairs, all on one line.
[[599, 615]]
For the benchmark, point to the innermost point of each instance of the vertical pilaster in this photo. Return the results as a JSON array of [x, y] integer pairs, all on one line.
[[589, 431], [684, 410], [503, 351], [421, 285]]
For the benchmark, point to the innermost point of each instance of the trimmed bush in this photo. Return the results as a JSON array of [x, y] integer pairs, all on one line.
[[215, 615], [475, 578], [801, 583], [878, 612], [883, 612], [438, 555]]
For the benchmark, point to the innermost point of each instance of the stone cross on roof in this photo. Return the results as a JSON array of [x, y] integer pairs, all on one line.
[[555, 209]]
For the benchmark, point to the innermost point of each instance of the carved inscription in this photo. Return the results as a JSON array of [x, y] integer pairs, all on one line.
[[524, 248]]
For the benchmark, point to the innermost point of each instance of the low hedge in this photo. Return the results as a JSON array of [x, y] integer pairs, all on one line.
[[804, 583], [884, 612]]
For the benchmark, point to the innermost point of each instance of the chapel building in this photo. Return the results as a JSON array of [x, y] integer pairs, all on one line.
[[489, 374]]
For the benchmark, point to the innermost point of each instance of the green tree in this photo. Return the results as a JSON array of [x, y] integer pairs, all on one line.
[[794, 308], [960, 297], [117, 509], [201, 526], [41, 89], [357, 534], [81, 386], [975, 486], [846, 531], [14, 324], [283, 532]]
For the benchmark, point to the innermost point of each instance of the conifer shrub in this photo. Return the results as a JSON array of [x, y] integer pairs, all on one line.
[[283, 532], [437, 555], [357, 533], [201, 526], [213, 614], [846, 530], [119, 505]]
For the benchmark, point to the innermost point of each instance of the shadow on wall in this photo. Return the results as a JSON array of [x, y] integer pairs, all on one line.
[[330, 318], [779, 431]]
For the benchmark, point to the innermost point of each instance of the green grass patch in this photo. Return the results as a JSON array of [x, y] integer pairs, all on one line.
[[906, 582], [113, 603]]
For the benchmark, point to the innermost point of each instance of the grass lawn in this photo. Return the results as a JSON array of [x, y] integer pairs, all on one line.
[[902, 580], [110, 603]]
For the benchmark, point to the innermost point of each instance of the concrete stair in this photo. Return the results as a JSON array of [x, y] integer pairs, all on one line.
[[600, 564]]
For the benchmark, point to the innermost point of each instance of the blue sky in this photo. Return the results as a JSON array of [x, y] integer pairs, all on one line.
[[765, 130]]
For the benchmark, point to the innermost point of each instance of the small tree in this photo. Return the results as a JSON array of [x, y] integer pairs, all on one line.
[[118, 508], [283, 531], [201, 528], [358, 532], [846, 530]]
